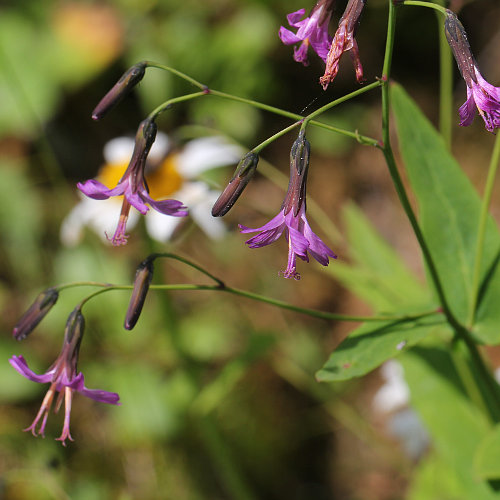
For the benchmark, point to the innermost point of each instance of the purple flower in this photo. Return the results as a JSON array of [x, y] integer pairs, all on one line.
[[312, 30], [344, 41], [63, 378], [132, 186], [292, 219], [480, 94]]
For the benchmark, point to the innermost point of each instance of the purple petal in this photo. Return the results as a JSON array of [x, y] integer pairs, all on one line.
[[266, 237], [174, 208], [287, 37], [490, 89], [77, 384], [294, 18], [467, 110], [298, 242], [272, 224], [317, 248], [300, 54], [98, 191], [20, 365]]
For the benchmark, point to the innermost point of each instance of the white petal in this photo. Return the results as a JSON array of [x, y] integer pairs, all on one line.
[[100, 215], [205, 153], [160, 226], [395, 393], [119, 150], [202, 215]]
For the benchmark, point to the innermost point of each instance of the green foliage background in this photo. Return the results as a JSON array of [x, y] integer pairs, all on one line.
[[219, 397]]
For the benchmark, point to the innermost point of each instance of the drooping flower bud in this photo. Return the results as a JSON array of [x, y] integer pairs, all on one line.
[[242, 176], [36, 312], [120, 89], [299, 166], [143, 277]]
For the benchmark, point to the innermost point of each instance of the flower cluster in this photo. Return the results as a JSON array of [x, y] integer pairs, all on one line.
[[291, 220], [313, 31]]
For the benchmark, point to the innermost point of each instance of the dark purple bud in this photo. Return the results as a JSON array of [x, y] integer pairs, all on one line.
[[457, 39], [120, 89], [143, 277], [326, 12], [73, 334], [242, 176], [299, 164], [36, 312]]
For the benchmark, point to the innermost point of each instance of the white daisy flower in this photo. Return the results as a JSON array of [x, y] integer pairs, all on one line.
[[169, 175]]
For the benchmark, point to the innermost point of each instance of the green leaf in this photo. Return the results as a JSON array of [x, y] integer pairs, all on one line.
[[376, 273], [372, 344], [487, 457], [434, 479], [449, 207], [454, 423]]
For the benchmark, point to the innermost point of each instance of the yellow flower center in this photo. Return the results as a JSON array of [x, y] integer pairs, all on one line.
[[162, 182]]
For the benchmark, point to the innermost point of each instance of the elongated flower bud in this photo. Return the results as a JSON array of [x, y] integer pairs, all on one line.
[[73, 334], [36, 312], [299, 164], [242, 176], [143, 277], [120, 89], [457, 39]]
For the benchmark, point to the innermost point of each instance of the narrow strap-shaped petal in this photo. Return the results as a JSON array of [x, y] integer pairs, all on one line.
[[294, 18], [287, 37], [20, 365], [98, 191]]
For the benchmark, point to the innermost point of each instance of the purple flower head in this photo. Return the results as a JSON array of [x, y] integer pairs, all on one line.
[[292, 219], [132, 186], [480, 94], [63, 378], [312, 31], [344, 41]]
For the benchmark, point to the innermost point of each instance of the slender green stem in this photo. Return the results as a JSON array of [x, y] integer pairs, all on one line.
[[176, 72], [336, 102], [481, 233], [370, 141], [188, 262], [430, 5], [294, 116], [491, 395], [220, 287], [445, 85], [393, 170], [263, 144], [465, 374], [168, 104]]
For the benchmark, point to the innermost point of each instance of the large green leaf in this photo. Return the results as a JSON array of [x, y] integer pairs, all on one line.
[[487, 457], [449, 209], [372, 344], [454, 423]]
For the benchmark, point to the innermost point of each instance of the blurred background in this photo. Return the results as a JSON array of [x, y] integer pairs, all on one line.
[[218, 394]]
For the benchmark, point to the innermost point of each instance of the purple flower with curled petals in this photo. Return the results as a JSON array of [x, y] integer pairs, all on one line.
[[292, 220], [312, 31], [481, 95], [133, 187], [63, 378]]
